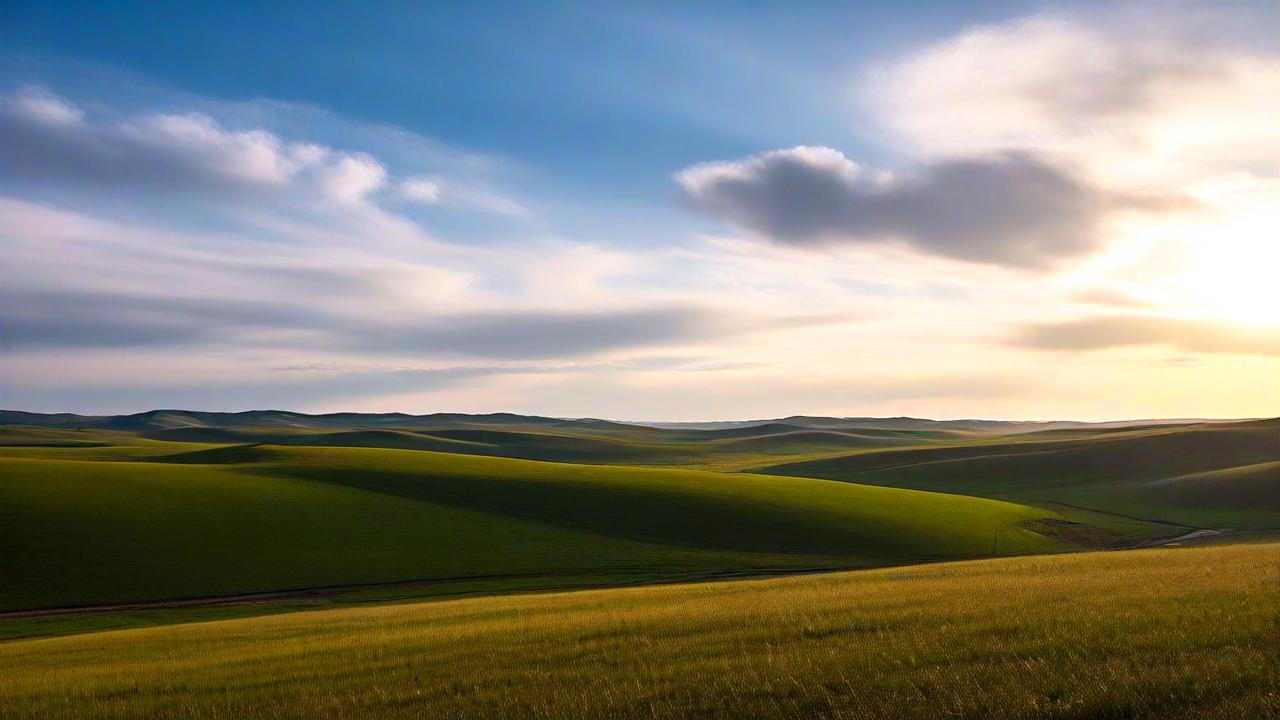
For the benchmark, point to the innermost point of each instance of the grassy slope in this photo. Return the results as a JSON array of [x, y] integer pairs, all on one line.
[[684, 507], [100, 532], [235, 519], [1257, 484], [1187, 633], [1182, 475]]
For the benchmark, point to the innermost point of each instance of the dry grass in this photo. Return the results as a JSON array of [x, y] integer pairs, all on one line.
[[1167, 633]]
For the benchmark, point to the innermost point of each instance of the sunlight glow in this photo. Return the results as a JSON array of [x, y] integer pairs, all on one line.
[[1233, 271]]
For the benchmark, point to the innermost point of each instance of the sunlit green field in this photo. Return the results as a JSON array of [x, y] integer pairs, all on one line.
[[234, 519], [1170, 633]]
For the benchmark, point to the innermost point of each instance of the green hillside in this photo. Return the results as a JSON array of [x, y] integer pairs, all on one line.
[[1172, 633], [215, 520], [105, 532], [1208, 475], [684, 507], [106, 516]]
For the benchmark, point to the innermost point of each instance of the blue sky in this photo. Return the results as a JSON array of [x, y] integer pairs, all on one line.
[[606, 98], [892, 182]]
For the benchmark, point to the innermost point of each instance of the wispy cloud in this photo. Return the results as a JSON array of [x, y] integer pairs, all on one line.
[[555, 334], [71, 319], [1110, 297], [45, 138], [421, 189], [1179, 361], [1189, 334]]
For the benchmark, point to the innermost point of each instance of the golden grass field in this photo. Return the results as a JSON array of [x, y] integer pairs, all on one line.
[[1162, 633]]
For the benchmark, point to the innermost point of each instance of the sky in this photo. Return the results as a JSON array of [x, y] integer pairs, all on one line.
[[642, 211]]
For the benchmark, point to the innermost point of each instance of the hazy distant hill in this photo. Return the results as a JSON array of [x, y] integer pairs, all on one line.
[[1202, 475], [910, 423], [171, 419]]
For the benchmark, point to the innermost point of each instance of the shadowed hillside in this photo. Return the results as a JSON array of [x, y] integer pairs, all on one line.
[[1203, 475]]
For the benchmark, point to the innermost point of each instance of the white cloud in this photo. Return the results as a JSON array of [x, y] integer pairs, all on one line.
[[42, 106], [421, 189], [351, 178], [1132, 98], [461, 195]]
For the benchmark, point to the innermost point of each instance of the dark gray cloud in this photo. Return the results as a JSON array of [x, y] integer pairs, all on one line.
[[285, 390], [1008, 209], [71, 319], [1191, 335], [547, 334], [536, 335], [301, 386], [34, 319]]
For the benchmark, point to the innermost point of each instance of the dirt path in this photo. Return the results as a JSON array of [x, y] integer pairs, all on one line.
[[1197, 535], [324, 594], [1152, 521]]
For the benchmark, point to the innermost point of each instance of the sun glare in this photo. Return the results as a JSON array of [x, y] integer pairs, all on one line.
[[1233, 273]]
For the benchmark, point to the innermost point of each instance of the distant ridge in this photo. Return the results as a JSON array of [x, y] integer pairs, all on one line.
[[172, 419], [911, 423]]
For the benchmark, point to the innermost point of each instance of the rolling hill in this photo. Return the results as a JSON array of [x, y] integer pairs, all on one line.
[[1199, 475], [174, 517], [203, 506], [164, 419], [82, 533], [231, 519], [603, 444], [970, 426]]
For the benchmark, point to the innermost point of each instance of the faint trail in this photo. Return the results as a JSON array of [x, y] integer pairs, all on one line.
[[1153, 521], [1197, 535], [324, 594]]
